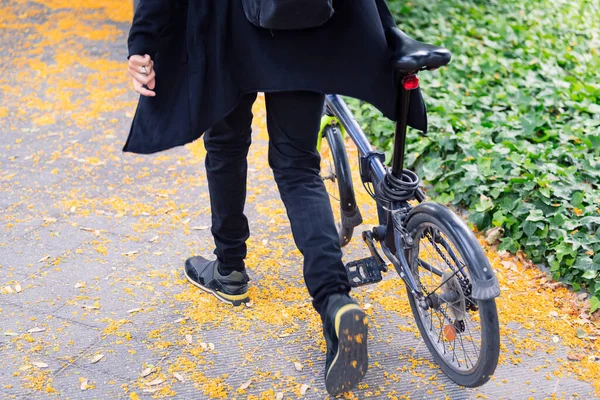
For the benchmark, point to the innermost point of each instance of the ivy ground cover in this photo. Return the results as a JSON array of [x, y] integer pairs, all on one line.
[[514, 125]]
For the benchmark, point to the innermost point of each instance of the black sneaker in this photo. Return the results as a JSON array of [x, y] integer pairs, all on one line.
[[345, 329], [231, 289]]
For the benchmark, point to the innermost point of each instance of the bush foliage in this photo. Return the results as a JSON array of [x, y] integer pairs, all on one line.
[[514, 124]]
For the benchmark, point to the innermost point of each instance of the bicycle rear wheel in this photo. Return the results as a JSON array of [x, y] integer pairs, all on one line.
[[461, 333], [337, 177]]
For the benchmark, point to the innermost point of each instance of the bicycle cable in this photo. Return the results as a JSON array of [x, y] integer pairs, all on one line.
[[370, 189], [403, 191], [398, 189]]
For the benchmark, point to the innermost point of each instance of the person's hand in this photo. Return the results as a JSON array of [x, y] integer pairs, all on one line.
[[141, 69]]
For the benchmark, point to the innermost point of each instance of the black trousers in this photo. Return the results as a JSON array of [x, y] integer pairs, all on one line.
[[293, 120]]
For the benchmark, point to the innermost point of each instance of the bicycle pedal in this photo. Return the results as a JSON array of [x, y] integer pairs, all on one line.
[[363, 272]]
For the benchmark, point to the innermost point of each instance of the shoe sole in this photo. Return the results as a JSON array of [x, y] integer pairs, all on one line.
[[235, 300], [352, 359]]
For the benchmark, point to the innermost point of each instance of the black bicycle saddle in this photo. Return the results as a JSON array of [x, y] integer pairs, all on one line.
[[411, 55]]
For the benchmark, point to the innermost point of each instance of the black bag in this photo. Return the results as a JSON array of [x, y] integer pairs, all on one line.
[[288, 14]]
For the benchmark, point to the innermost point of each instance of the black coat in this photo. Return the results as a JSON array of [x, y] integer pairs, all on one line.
[[207, 55]]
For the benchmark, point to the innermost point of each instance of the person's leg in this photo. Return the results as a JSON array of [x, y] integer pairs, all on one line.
[[293, 120], [227, 144]]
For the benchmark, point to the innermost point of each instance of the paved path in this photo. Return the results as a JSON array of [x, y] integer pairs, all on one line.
[[92, 242]]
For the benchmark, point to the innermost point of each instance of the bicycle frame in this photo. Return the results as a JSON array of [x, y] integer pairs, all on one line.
[[396, 213], [394, 245], [349, 124], [403, 226], [340, 110]]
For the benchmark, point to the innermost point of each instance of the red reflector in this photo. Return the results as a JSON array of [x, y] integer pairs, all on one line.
[[411, 82]]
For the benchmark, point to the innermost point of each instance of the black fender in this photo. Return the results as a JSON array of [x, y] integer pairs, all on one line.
[[351, 216], [485, 283]]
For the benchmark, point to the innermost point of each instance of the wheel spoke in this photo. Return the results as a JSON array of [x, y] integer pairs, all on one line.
[[450, 251], [438, 267], [429, 267], [333, 172], [465, 351], [475, 349], [329, 178], [444, 282]]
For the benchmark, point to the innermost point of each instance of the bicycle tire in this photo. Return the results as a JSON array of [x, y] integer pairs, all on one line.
[[487, 357], [341, 178]]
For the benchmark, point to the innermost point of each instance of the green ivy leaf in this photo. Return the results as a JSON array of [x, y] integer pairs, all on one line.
[[562, 250], [485, 204], [433, 169], [577, 199], [513, 118], [530, 227], [594, 304], [586, 264], [445, 198], [590, 275], [536, 215], [580, 333], [508, 244]]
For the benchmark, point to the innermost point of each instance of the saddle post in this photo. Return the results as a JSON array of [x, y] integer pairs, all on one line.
[[407, 84]]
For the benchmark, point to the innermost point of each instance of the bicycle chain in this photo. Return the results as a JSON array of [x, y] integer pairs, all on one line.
[[467, 290], [465, 286]]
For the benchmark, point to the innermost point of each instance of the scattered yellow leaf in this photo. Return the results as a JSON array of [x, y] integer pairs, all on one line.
[[246, 384], [96, 358], [303, 389], [155, 382], [178, 376]]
